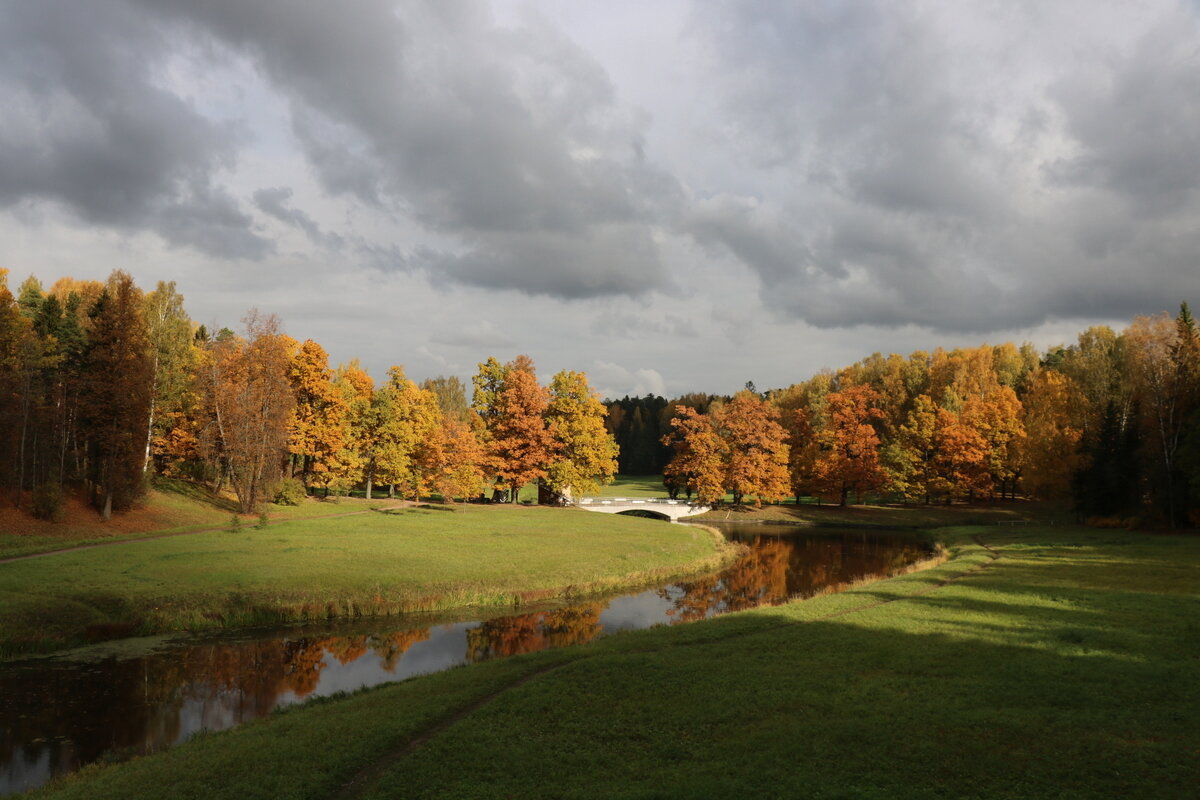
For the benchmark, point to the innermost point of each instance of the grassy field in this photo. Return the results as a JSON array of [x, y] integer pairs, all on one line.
[[1064, 664], [634, 486], [414, 559], [170, 507]]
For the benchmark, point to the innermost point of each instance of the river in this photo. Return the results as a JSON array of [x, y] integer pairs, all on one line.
[[143, 695]]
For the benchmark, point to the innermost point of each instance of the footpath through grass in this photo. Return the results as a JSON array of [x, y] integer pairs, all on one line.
[[1069, 667], [414, 559]]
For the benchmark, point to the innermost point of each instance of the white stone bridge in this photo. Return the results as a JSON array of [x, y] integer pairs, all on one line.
[[673, 510]]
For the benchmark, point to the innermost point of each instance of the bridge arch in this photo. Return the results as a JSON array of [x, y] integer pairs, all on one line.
[[648, 513]]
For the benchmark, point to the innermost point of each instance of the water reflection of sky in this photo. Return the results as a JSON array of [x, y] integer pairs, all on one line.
[[635, 611], [58, 716], [445, 648]]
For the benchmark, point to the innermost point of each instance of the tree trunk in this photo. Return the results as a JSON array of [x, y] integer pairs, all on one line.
[[845, 496], [106, 512], [391, 491]]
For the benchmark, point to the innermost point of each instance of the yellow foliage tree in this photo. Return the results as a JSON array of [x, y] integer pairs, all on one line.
[[585, 452], [319, 427], [1053, 415]]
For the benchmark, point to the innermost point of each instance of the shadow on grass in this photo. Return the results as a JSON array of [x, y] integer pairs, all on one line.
[[195, 492], [753, 706]]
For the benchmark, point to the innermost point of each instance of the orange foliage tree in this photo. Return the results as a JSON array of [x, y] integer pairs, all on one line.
[[849, 458], [699, 455], [755, 449], [520, 446], [251, 402], [962, 457]]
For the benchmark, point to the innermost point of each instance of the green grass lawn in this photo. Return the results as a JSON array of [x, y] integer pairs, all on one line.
[[171, 507], [416, 559], [1069, 667], [634, 486]]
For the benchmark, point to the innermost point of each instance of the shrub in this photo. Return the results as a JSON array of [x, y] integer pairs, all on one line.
[[235, 524], [291, 492], [48, 502], [263, 520]]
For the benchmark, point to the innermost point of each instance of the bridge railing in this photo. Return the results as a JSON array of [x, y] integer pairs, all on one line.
[[635, 501]]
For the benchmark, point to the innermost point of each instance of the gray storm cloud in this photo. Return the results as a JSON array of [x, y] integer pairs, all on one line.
[[954, 167], [88, 126], [919, 197], [508, 139]]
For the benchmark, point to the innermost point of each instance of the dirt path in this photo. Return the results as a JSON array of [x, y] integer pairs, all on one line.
[[216, 529], [367, 777]]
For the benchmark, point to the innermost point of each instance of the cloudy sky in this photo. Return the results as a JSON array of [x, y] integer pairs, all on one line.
[[669, 195]]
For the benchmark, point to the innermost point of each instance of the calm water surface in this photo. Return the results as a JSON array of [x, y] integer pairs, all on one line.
[[59, 715]]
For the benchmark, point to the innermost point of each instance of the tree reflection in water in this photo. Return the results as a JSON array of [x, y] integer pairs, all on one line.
[[780, 568]]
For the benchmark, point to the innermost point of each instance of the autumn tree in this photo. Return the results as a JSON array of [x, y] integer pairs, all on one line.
[[512, 405], [585, 455], [319, 427], [698, 463], [460, 471], [429, 455], [451, 396], [997, 419], [169, 331], [1053, 417], [849, 459], [251, 402], [755, 448], [353, 460], [911, 457], [394, 437], [961, 457]]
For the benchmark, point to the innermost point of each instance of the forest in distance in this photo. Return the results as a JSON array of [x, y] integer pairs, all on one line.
[[104, 386]]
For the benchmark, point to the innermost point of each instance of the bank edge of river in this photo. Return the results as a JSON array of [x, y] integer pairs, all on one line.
[[249, 613]]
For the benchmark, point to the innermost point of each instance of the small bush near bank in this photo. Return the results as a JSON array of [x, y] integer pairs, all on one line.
[[48, 502], [291, 492]]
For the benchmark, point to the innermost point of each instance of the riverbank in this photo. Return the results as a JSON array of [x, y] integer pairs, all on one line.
[[418, 559], [1037, 661]]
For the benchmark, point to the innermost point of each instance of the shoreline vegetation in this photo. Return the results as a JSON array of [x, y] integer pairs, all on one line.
[[401, 560], [1036, 661]]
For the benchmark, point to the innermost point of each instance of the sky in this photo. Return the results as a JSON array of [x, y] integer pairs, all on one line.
[[670, 196]]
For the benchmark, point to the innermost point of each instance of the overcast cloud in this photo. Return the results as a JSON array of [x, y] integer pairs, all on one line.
[[672, 196]]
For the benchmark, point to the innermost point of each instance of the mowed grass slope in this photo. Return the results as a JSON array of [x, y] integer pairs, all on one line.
[[1068, 667], [171, 507], [415, 559]]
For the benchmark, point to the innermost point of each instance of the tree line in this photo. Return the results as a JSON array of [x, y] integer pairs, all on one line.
[[103, 385], [1110, 424]]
